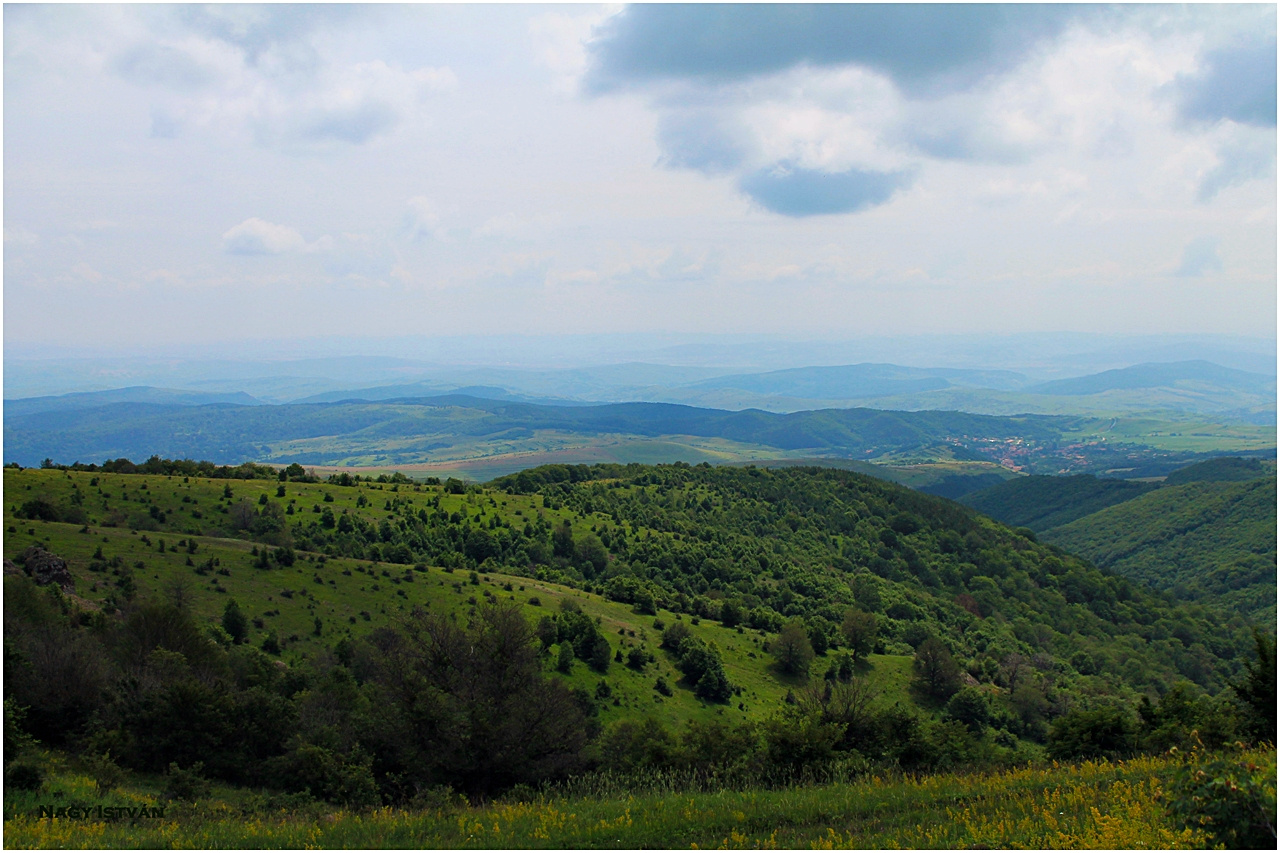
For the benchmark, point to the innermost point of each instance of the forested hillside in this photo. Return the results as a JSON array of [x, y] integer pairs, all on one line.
[[762, 545], [1203, 541], [1040, 502], [1207, 533], [368, 642]]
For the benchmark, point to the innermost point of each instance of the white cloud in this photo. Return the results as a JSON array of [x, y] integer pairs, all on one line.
[[422, 219], [1245, 154], [559, 40], [1199, 258], [258, 237], [268, 77], [19, 236], [428, 146], [87, 273], [509, 225]]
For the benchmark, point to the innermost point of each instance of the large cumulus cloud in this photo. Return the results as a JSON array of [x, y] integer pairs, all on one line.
[[925, 48], [1235, 83], [832, 109]]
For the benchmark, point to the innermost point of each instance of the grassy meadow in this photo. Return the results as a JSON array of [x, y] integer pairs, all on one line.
[[1180, 434]]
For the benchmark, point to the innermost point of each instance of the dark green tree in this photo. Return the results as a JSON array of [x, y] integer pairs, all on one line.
[[859, 629], [562, 541], [600, 655], [969, 706], [1257, 690], [792, 649], [234, 622], [1097, 733], [937, 673]]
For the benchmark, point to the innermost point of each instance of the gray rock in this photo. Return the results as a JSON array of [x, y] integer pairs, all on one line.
[[46, 568]]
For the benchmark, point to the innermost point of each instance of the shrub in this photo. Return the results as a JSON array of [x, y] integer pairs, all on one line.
[[22, 776], [1102, 732], [106, 774], [564, 662], [1230, 799], [969, 706], [674, 636], [186, 785]]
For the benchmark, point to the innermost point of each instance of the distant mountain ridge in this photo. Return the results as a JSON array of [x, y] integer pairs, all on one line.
[[133, 394], [1194, 386], [421, 390], [1157, 375], [230, 433], [863, 380]]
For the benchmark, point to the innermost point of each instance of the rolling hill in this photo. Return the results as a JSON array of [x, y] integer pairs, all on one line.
[[610, 629], [326, 433], [778, 544], [1207, 533], [1156, 375], [1212, 542], [1042, 502]]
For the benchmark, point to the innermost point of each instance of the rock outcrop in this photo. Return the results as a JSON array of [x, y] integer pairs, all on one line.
[[46, 568]]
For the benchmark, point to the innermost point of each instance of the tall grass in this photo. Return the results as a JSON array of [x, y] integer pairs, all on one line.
[[1090, 805]]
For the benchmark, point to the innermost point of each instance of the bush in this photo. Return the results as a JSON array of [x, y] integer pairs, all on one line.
[[969, 706], [22, 776], [1100, 733], [186, 785], [106, 774], [1232, 800], [674, 636]]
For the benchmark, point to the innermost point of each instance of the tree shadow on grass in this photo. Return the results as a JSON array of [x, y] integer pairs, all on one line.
[[788, 679]]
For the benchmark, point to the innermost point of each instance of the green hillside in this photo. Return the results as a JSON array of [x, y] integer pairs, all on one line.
[[1041, 502], [1222, 469], [1202, 541], [608, 627], [766, 545]]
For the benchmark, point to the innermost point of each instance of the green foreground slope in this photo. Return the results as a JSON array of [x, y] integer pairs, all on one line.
[[749, 547], [374, 643]]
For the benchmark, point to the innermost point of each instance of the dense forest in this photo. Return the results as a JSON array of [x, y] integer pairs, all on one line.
[[1206, 533]]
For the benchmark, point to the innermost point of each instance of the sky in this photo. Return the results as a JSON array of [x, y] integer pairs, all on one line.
[[194, 174]]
